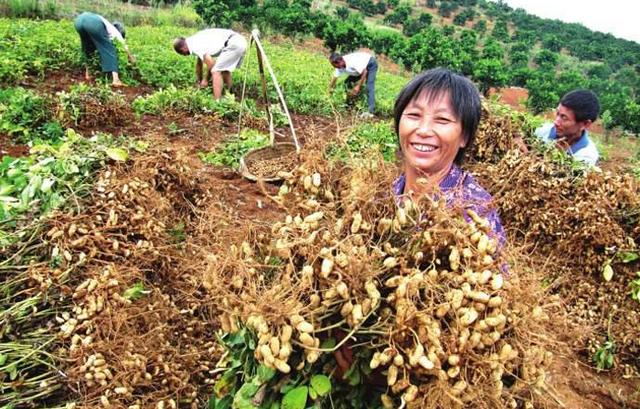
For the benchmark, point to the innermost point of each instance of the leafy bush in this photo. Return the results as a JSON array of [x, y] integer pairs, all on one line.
[[29, 8], [399, 15], [196, 101], [378, 136], [172, 98], [345, 35], [32, 48], [218, 13], [52, 172], [90, 104], [24, 114], [229, 153]]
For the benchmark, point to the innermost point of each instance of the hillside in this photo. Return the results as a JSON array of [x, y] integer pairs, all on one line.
[[499, 46]]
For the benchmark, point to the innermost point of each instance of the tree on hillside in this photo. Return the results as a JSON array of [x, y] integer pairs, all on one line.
[[461, 18], [543, 93], [385, 41], [633, 117], [368, 7], [446, 8], [525, 37], [500, 30], [468, 45], [520, 47], [519, 59], [521, 75], [345, 35], [600, 71], [546, 59], [448, 30], [490, 72], [413, 25], [430, 48], [480, 26], [399, 15], [617, 99], [431, 4], [222, 13], [552, 43], [343, 12], [493, 50], [496, 10], [570, 80], [629, 77], [293, 19]]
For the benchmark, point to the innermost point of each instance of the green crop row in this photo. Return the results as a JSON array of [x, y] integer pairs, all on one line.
[[36, 48]]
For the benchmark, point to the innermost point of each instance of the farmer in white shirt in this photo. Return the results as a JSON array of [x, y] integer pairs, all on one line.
[[360, 67], [228, 46], [96, 33]]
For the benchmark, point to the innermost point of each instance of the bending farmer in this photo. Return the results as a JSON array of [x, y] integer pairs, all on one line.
[[228, 46], [360, 67], [96, 33]]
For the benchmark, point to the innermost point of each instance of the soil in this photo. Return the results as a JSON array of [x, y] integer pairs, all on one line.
[[515, 97], [571, 383], [9, 148]]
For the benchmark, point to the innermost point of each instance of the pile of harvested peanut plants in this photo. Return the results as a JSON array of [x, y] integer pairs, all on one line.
[[578, 224], [134, 336], [420, 300]]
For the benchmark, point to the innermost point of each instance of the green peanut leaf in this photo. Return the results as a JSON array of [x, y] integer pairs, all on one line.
[[321, 384], [296, 398]]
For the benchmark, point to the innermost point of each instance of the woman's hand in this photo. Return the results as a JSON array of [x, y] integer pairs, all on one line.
[[132, 58], [520, 144], [344, 359]]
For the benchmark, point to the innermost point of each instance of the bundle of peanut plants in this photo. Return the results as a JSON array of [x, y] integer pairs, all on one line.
[[366, 299]]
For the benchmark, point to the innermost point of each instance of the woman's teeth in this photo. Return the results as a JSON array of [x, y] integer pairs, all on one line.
[[423, 148]]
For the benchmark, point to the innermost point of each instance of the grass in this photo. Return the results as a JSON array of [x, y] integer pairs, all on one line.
[[130, 14], [619, 147]]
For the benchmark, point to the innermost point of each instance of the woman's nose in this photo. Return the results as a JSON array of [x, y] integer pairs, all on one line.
[[425, 127]]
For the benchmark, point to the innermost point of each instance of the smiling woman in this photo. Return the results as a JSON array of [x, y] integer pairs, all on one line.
[[436, 117]]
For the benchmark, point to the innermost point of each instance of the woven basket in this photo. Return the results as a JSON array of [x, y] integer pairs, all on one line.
[[254, 157]]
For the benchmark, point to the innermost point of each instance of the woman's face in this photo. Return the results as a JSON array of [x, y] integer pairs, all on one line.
[[430, 136]]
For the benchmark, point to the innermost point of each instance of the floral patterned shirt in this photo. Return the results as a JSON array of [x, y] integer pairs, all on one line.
[[460, 189]]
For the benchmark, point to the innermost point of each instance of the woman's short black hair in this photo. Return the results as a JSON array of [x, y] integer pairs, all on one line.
[[583, 103], [463, 94]]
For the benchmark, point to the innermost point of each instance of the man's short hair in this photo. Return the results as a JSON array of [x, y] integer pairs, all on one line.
[[179, 43], [335, 57], [583, 103], [120, 27]]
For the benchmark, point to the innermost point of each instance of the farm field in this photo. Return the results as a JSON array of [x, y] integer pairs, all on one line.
[[138, 269]]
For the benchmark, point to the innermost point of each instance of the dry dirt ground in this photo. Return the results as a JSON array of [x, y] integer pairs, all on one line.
[[571, 382]]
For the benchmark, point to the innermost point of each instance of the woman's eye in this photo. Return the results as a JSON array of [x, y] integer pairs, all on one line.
[[412, 115]]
